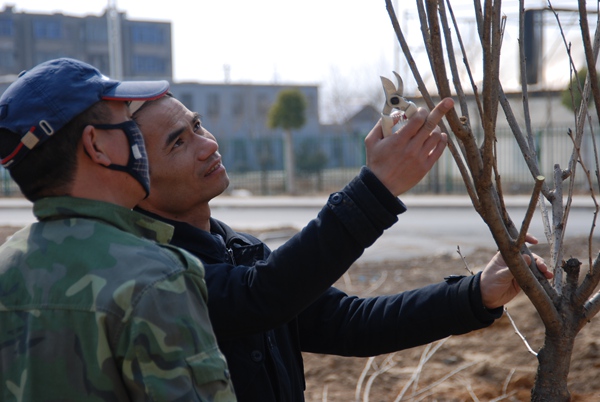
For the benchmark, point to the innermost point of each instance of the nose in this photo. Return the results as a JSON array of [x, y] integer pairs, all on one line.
[[206, 146]]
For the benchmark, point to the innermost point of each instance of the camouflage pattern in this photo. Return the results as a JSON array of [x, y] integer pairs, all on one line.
[[91, 311]]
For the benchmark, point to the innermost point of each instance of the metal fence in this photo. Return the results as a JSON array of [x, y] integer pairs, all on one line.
[[345, 156], [326, 164]]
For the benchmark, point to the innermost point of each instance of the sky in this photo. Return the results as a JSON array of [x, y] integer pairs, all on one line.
[[348, 44]]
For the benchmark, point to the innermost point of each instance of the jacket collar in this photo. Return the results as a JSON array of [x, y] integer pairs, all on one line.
[[53, 208], [209, 247]]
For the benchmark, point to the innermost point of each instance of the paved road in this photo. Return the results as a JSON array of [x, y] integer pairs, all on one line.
[[432, 225]]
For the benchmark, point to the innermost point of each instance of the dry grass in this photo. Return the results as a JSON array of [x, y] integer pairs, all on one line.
[[492, 364]]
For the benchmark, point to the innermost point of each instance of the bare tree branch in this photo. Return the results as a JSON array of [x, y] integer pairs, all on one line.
[[423, 90], [464, 107], [530, 209], [589, 54]]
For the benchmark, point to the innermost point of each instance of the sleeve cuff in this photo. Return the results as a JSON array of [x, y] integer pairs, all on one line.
[[387, 199], [479, 310]]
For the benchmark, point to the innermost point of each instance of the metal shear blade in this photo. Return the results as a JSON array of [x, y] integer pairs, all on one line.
[[394, 99], [393, 95]]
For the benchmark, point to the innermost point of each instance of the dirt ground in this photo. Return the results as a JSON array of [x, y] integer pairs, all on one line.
[[492, 364]]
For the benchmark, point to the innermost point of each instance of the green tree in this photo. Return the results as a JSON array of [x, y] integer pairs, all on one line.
[[288, 113], [571, 96], [312, 160]]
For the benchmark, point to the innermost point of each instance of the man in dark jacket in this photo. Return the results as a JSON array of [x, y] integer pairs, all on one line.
[[267, 307]]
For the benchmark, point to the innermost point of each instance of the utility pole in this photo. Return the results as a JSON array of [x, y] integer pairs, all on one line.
[[115, 54]]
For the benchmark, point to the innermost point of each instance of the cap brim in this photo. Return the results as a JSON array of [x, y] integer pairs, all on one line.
[[137, 90]]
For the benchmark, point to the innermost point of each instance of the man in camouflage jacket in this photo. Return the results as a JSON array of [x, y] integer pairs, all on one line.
[[94, 304]]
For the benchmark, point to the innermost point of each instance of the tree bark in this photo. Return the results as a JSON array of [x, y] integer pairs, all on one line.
[[554, 363], [290, 182]]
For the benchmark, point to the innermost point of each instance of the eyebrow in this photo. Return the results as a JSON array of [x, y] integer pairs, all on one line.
[[196, 116], [173, 135]]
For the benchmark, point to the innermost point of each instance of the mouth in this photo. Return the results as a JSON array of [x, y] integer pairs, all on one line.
[[213, 168]]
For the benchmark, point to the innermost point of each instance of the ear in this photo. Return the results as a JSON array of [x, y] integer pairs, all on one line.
[[92, 145]]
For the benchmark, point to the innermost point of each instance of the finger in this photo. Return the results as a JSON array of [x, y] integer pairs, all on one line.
[[542, 267], [422, 123], [531, 239], [436, 115], [376, 134], [435, 138], [498, 259], [540, 264], [437, 152]]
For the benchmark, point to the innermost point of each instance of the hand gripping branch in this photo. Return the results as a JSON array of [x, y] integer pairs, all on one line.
[[394, 100]]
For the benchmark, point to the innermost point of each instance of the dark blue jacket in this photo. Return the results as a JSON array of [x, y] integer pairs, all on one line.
[[266, 307]]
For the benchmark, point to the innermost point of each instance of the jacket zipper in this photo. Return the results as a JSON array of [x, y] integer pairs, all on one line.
[[230, 252]]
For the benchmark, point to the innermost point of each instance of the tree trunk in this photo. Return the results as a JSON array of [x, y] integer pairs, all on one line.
[[554, 363], [290, 183]]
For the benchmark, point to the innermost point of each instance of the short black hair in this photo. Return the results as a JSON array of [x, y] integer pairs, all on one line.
[[167, 94], [49, 169]]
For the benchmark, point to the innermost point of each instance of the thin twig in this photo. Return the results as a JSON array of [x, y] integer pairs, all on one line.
[[428, 351], [464, 260], [523, 67], [443, 379], [388, 363], [325, 393], [362, 377], [591, 190], [530, 210], [507, 381], [472, 393], [377, 284], [464, 108], [503, 396], [519, 333]]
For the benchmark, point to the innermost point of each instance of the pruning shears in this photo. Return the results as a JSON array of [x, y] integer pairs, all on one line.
[[394, 100]]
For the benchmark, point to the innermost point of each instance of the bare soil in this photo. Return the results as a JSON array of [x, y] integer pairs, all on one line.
[[492, 364]]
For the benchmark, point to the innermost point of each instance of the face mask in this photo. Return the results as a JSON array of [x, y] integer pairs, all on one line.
[[137, 165]]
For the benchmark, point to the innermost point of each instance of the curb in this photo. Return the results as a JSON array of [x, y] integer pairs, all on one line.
[[411, 201]]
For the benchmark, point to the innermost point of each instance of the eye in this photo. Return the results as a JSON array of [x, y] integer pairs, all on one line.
[[198, 127], [178, 143]]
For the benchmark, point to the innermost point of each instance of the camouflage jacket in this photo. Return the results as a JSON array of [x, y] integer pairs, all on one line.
[[93, 309]]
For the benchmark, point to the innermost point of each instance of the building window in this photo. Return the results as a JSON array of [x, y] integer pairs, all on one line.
[[146, 33], [7, 59], [240, 155], [213, 105], [6, 27], [262, 105], [149, 65], [43, 29], [100, 61], [96, 32], [237, 104], [188, 100]]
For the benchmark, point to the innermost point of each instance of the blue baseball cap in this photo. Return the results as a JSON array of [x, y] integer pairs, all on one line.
[[44, 99]]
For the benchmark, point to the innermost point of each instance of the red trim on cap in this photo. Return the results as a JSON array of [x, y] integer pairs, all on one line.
[[110, 98], [13, 154]]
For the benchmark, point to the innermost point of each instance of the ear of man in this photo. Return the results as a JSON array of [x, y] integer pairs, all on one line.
[[96, 145]]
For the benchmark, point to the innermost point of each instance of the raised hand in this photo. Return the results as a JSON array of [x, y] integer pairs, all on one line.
[[401, 160]]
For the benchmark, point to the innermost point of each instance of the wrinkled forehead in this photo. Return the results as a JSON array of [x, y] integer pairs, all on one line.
[[160, 119]]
